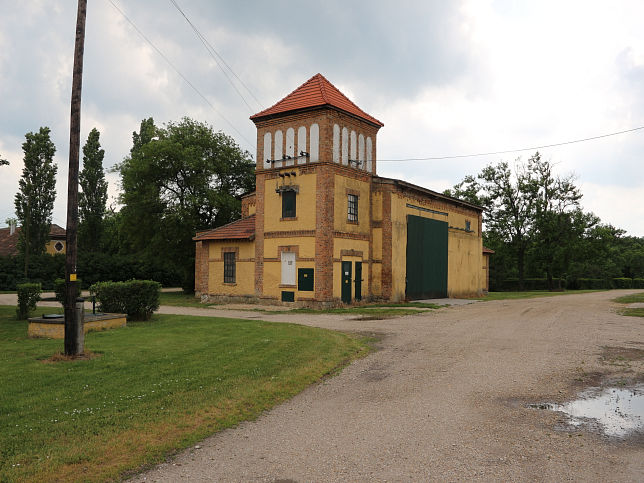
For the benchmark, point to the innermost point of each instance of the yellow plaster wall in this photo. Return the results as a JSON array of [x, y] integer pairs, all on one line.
[[464, 248], [305, 258], [49, 248], [340, 244], [340, 211], [245, 268], [305, 203], [252, 209], [376, 206]]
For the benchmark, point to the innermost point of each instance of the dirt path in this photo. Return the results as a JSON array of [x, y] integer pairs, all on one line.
[[443, 399]]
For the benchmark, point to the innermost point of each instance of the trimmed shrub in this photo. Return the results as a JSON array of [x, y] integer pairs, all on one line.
[[61, 293], [638, 283], [28, 296], [136, 298], [531, 284], [593, 284], [622, 282]]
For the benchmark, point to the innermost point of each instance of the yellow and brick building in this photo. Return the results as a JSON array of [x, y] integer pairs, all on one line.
[[322, 228]]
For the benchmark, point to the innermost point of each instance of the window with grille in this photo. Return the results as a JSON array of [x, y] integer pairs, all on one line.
[[288, 204], [229, 267], [352, 211]]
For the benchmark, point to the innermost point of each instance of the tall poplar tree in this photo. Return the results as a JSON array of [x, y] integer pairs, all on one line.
[[34, 201], [93, 197]]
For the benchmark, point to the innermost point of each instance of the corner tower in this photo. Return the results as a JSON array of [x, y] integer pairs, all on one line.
[[316, 156]]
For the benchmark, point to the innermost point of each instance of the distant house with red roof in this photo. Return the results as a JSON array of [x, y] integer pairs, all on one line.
[[9, 240], [323, 228]]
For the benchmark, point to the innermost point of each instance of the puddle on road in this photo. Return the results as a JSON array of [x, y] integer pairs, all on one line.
[[618, 411]]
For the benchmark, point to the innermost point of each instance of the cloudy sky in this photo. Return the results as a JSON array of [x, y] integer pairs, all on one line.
[[446, 78]]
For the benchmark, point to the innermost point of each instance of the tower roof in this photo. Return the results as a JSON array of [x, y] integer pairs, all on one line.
[[316, 92]]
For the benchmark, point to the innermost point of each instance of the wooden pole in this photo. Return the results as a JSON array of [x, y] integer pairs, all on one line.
[[74, 340]]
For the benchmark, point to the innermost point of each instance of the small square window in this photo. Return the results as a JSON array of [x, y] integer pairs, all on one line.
[[288, 204], [352, 208], [229, 267]]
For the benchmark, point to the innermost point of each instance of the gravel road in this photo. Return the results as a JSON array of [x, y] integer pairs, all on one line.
[[444, 398]]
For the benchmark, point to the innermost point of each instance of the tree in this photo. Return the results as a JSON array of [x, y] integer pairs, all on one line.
[[528, 211], [3, 162], [558, 222], [34, 201], [177, 180], [93, 197]]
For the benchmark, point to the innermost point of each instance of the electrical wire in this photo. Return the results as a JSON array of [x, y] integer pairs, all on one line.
[[507, 151], [219, 60], [180, 74]]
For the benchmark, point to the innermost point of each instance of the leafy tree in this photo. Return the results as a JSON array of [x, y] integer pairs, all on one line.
[[93, 195], [34, 201], [558, 222], [177, 180], [3, 162]]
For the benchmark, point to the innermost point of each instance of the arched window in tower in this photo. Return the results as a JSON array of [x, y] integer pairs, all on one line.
[[362, 164], [301, 144], [315, 143], [336, 143], [369, 155], [290, 146], [268, 153], [354, 152], [345, 146], [279, 145]]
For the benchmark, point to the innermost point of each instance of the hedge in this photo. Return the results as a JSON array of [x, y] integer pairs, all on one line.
[[61, 292], [136, 298], [530, 284], [92, 268], [28, 296]]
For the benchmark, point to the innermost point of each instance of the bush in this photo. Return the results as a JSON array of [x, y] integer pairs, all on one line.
[[622, 282], [530, 284], [638, 283], [592, 284], [61, 293], [136, 298], [28, 295]]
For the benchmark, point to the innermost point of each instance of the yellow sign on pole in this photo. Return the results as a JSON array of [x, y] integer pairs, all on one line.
[[72, 277]]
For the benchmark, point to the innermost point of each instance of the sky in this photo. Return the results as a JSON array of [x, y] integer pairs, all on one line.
[[446, 78]]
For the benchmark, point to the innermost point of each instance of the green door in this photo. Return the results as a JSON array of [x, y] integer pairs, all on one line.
[[426, 258], [346, 282], [358, 282]]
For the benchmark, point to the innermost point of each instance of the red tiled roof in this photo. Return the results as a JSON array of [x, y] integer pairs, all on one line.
[[243, 229], [315, 92], [9, 243]]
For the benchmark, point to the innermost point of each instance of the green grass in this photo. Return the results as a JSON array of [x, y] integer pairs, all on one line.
[[636, 312], [630, 299], [154, 388], [530, 295], [179, 299]]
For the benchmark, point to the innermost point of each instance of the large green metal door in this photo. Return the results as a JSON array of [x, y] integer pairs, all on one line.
[[426, 258]]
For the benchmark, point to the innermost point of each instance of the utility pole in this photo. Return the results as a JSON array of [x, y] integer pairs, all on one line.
[[74, 337]]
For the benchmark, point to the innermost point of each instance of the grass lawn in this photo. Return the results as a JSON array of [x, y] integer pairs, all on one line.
[[531, 295], [631, 299], [179, 299], [154, 387]]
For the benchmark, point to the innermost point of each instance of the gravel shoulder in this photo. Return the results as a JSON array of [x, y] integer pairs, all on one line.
[[443, 398]]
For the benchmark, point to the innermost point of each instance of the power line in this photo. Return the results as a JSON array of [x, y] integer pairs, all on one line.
[[180, 74], [219, 60], [436, 158]]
